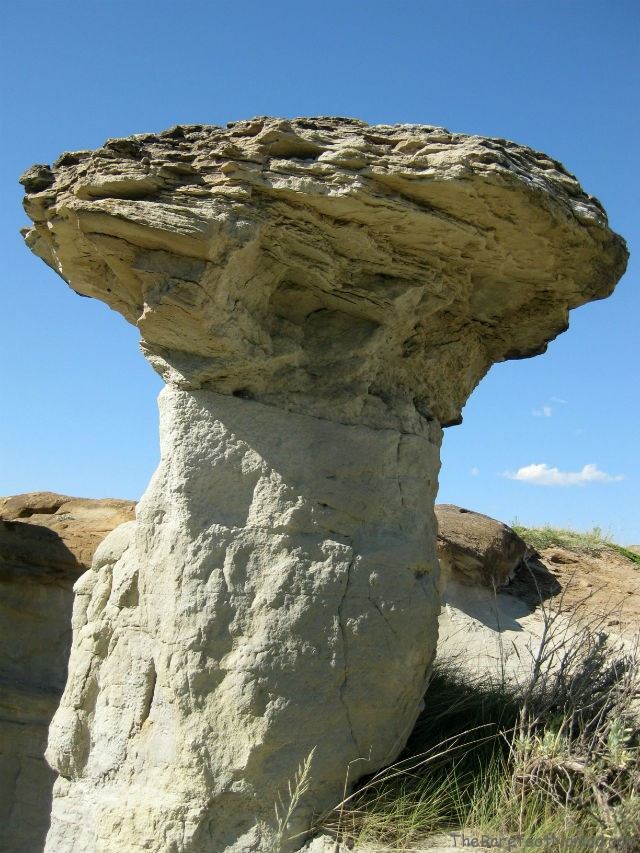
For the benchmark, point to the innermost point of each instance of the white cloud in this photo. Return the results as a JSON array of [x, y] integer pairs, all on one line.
[[544, 412], [543, 475], [557, 400], [474, 471]]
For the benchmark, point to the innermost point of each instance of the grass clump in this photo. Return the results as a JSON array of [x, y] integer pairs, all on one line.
[[626, 552], [285, 807], [553, 762], [587, 542], [592, 542]]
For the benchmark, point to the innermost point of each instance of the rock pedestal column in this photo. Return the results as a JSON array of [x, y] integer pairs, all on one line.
[[320, 297], [274, 597]]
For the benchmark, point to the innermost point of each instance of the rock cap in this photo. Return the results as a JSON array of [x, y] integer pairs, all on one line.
[[364, 273]]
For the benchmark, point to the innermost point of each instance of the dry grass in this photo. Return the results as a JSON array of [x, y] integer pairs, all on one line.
[[592, 542], [553, 761], [285, 807]]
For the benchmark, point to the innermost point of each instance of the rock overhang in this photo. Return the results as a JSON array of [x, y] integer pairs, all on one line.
[[324, 265]]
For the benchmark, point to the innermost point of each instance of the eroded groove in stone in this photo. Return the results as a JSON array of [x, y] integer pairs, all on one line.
[[321, 297]]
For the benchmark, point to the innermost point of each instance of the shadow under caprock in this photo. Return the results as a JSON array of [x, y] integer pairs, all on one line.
[[37, 573]]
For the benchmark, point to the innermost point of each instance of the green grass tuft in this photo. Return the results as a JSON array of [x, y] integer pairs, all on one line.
[[554, 761], [630, 555], [592, 542]]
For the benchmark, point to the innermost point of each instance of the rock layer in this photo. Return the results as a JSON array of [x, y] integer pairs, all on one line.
[[322, 265], [321, 297], [46, 541]]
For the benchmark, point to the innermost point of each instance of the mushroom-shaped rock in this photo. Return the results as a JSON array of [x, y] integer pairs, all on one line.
[[320, 296]]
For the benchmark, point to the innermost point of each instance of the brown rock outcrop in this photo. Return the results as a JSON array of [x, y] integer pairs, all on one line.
[[474, 549], [46, 542], [79, 525]]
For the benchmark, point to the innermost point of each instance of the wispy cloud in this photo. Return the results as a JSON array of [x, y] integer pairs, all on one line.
[[544, 412], [541, 474], [474, 471]]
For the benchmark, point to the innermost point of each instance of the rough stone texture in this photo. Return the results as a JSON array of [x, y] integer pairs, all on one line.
[[321, 296], [474, 549], [360, 273], [46, 541], [253, 627]]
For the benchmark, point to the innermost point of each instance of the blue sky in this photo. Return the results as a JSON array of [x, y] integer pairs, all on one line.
[[78, 400]]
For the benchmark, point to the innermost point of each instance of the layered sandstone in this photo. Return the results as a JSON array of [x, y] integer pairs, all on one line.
[[320, 297]]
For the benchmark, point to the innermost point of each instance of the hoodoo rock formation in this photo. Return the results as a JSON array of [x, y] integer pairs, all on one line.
[[321, 297]]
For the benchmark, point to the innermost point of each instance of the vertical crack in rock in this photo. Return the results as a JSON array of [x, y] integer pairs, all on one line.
[[345, 651], [152, 679], [399, 469], [320, 297], [378, 609]]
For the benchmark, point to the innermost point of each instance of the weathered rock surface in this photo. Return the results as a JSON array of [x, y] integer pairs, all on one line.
[[552, 595], [320, 296], [46, 541], [252, 616], [474, 549], [322, 265]]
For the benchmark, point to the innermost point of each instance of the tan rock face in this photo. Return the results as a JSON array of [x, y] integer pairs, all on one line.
[[57, 535], [320, 296], [478, 555], [46, 541]]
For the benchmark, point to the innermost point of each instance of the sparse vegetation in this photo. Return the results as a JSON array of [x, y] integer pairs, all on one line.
[[628, 553], [589, 542], [553, 762], [284, 808], [592, 541]]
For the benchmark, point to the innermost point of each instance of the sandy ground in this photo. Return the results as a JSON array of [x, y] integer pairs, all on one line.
[[500, 632]]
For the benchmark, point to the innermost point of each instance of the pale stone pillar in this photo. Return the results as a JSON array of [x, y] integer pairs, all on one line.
[[275, 596], [321, 297]]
